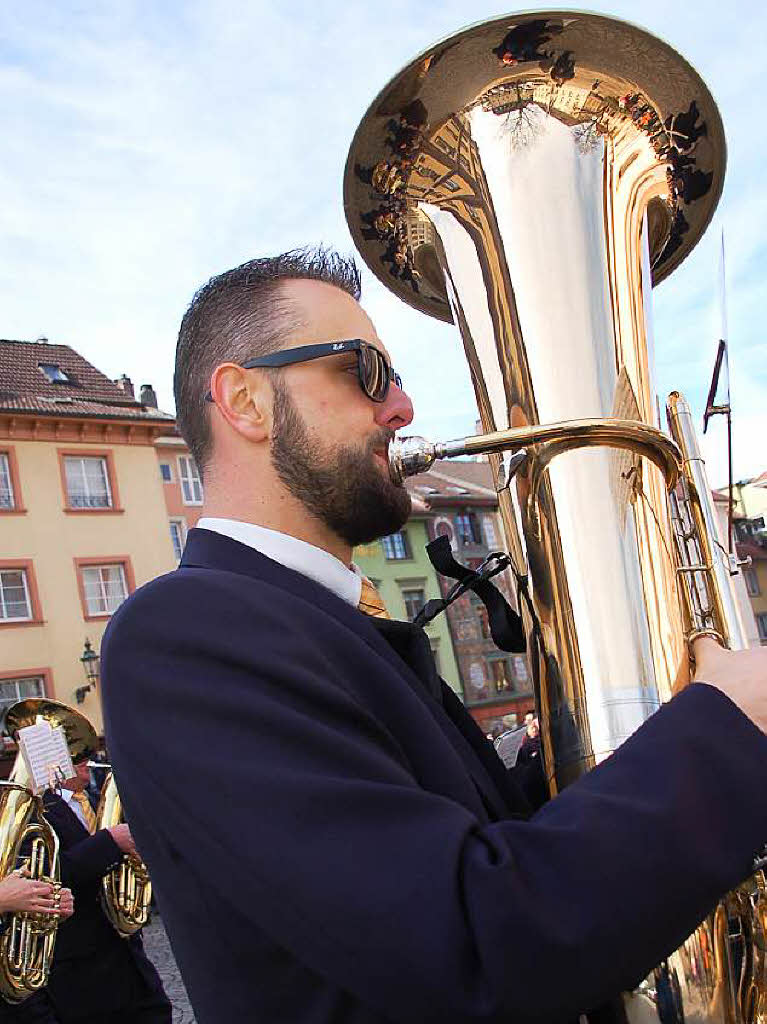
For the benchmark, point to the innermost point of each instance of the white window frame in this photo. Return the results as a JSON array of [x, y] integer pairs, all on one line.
[[6, 701], [103, 597], [7, 497], [490, 532], [73, 500], [391, 546], [475, 536], [179, 522], [189, 477], [170, 470], [27, 597]]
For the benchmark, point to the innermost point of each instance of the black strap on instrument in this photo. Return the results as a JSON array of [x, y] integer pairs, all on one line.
[[505, 624]]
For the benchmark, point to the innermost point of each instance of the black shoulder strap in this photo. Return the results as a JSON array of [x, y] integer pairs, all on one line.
[[505, 624]]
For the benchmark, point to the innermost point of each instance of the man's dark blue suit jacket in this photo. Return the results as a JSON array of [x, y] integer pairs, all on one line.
[[332, 840]]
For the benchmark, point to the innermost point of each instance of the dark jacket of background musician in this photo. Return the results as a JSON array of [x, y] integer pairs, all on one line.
[[94, 970], [349, 850]]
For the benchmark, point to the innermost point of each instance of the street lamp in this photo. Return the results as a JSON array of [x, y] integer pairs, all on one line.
[[90, 662]]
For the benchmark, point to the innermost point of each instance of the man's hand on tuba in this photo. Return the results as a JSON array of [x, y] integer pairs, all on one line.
[[741, 675], [20, 894]]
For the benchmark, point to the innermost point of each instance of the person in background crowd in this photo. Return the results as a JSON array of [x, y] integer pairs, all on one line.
[[531, 744]]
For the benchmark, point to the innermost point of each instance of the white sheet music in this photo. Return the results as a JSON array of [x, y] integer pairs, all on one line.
[[45, 754]]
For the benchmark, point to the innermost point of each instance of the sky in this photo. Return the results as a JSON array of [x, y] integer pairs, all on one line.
[[147, 146]]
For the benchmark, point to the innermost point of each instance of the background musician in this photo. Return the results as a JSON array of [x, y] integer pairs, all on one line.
[[96, 977], [354, 849]]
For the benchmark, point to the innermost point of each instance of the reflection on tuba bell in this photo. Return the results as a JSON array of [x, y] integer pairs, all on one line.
[[126, 890], [530, 179], [26, 945]]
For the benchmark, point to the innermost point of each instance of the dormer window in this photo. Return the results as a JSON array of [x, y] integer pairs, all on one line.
[[53, 373]]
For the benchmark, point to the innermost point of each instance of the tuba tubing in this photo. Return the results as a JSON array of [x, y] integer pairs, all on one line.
[[126, 890]]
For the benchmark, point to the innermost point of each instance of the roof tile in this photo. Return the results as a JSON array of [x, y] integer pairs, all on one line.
[[24, 388]]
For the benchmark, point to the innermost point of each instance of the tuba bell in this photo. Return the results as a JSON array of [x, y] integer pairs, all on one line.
[[27, 944], [530, 179], [126, 890]]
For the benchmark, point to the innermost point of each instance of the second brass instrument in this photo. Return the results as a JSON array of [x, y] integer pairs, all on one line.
[[126, 889], [27, 943]]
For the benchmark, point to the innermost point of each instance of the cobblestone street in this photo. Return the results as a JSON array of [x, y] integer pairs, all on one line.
[[159, 952]]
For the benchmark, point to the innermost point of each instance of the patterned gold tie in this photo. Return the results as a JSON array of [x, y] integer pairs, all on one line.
[[85, 807], [371, 602]]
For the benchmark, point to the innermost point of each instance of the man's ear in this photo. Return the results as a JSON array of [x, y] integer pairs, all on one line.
[[244, 399]]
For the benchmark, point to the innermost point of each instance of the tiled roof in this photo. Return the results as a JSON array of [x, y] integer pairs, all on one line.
[[455, 481], [24, 388]]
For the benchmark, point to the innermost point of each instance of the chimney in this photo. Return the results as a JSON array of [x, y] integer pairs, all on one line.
[[125, 384], [147, 396]]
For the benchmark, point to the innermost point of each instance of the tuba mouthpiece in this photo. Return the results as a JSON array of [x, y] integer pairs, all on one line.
[[410, 455]]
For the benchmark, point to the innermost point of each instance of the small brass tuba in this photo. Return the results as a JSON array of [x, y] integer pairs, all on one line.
[[126, 890], [26, 945]]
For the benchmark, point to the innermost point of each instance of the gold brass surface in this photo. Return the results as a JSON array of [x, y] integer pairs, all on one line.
[[27, 944], [531, 178], [80, 735], [610, 81], [126, 890]]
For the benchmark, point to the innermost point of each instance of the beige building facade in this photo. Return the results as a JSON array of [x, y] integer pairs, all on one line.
[[83, 517], [182, 488]]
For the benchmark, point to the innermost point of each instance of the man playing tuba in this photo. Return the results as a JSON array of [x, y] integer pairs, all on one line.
[[354, 849]]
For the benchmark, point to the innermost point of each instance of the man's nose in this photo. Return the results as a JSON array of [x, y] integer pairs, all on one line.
[[396, 410]]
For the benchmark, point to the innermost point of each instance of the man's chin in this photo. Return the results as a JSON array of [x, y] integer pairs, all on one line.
[[387, 518]]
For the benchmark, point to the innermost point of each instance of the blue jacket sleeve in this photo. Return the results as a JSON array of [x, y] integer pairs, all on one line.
[[89, 860]]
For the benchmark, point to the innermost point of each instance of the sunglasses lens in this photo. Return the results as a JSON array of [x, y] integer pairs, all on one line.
[[375, 373]]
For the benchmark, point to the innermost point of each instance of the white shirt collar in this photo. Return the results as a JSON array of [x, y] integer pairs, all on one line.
[[314, 562], [69, 799]]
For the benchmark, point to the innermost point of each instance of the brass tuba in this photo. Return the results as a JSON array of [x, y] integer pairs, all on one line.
[[26, 945], [530, 179], [126, 890]]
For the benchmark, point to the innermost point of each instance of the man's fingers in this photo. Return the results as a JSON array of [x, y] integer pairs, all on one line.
[[705, 646]]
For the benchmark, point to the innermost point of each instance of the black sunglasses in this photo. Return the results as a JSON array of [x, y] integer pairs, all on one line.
[[373, 369]]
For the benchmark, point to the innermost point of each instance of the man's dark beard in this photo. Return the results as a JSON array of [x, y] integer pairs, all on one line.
[[343, 487]]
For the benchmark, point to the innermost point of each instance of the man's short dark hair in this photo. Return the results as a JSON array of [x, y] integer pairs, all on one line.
[[238, 315]]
